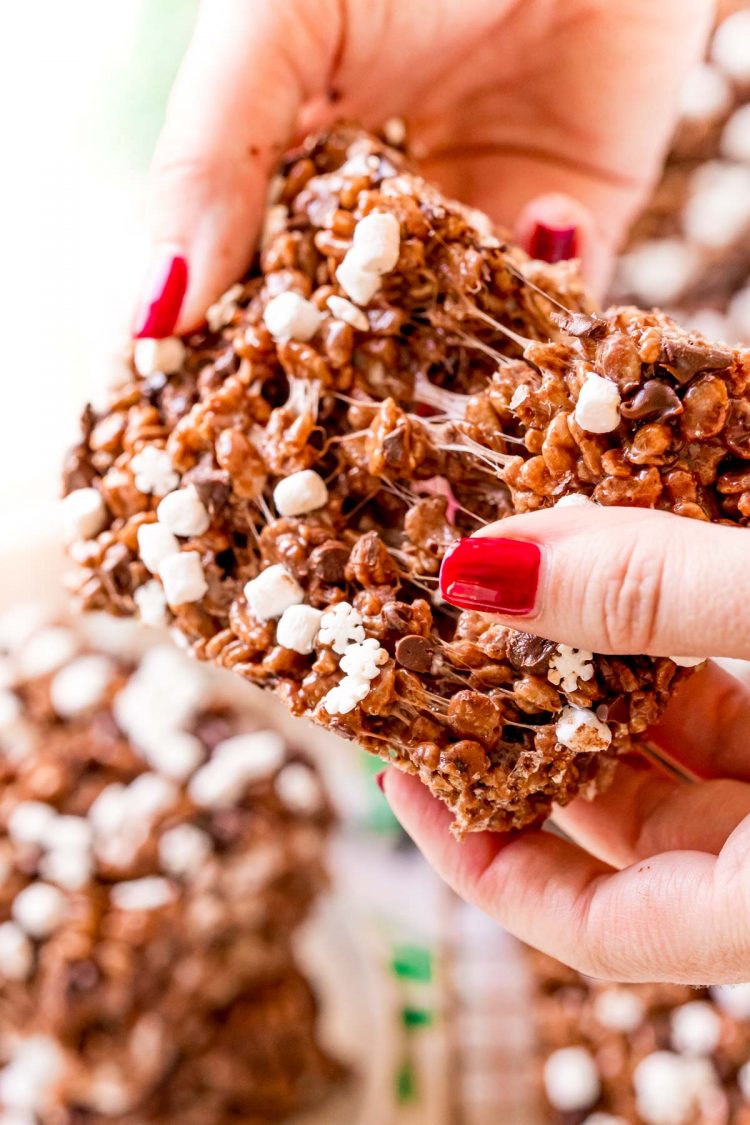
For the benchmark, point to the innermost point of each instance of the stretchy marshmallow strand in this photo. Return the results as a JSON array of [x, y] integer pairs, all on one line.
[[300, 493], [84, 514], [183, 513], [580, 730], [183, 578], [598, 407], [571, 1080], [289, 316], [273, 591], [151, 356], [298, 628]]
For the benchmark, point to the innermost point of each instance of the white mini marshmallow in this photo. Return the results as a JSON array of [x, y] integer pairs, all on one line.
[[151, 604], [575, 500], [290, 316], [394, 131], [571, 1080], [696, 1028], [10, 709], [730, 49], [183, 578], [580, 730], [236, 763], [149, 893], [619, 1010], [344, 696], [377, 241], [26, 1081], [16, 952], [341, 626], [183, 513], [569, 665], [735, 140], [299, 789], [273, 591], [298, 628], [183, 849], [83, 513], [220, 314], [155, 544], [70, 870], [659, 270], [154, 472], [734, 999], [349, 313], [705, 94], [598, 407], [46, 651], [688, 661], [669, 1087], [357, 282], [81, 685], [363, 661], [39, 909], [70, 833], [151, 356], [29, 822], [717, 213], [300, 493], [176, 754]]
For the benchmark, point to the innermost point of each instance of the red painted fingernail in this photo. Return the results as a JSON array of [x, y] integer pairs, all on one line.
[[553, 244], [492, 575], [380, 780], [164, 292]]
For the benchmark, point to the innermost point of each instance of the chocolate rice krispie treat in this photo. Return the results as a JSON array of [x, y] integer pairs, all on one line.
[[282, 486], [158, 850], [639, 1054]]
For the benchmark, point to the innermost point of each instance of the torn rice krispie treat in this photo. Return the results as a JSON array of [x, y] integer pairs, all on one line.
[[282, 486], [158, 850], [640, 1054]]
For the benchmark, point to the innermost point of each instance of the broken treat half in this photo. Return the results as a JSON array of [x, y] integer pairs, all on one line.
[[282, 486]]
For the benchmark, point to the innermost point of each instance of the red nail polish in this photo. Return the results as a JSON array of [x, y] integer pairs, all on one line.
[[492, 575], [380, 780], [553, 244], [164, 293]]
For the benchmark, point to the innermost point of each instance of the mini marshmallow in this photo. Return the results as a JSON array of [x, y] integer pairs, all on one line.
[[46, 651], [717, 213], [151, 356], [221, 313], [377, 242], [705, 94], [183, 513], [580, 730], [571, 1080], [27, 1079], [273, 591], [149, 795], [730, 49], [155, 544], [149, 893], [81, 685], [394, 131], [619, 1010], [71, 833], [349, 313], [575, 500], [298, 788], [344, 696], [289, 316], [658, 271], [16, 952], [358, 283], [668, 1087], [688, 661], [735, 139], [341, 626], [153, 471], [300, 493], [183, 578], [29, 822], [236, 763], [39, 909], [298, 628], [569, 665], [151, 604], [176, 754], [10, 709], [598, 407], [183, 849], [363, 661], [70, 870], [734, 999], [83, 513], [696, 1028]]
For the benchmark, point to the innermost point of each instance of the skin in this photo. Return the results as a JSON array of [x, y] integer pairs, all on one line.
[[532, 110]]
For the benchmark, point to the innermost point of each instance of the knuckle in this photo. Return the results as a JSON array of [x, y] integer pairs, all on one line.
[[632, 600]]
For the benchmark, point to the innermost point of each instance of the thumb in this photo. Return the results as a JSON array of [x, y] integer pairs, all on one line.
[[612, 580], [232, 111]]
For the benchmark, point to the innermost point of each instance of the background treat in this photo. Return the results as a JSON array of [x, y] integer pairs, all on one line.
[[391, 377], [158, 851], [640, 1054]]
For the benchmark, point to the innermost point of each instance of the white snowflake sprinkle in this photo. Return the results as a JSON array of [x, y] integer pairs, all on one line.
[[341, 626], [154, 472], [568, 666], [363, 661]]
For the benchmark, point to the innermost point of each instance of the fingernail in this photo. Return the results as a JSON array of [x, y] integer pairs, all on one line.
[[492, 575], [163, 294], [553, 244], [380, 780]]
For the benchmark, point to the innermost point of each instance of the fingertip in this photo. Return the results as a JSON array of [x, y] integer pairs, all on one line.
[[555, 227]]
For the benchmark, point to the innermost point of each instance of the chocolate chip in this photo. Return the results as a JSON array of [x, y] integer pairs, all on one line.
[[328, 562], [397, 616], [212, 485], [82, 976], [394, 445], [414, 653], [580, 324], [654, 400], [529, 653], [685, 359]]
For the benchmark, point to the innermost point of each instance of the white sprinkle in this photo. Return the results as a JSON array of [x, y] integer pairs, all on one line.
[[377, 242], [358, 283], [619, 1010], [345, 696], [300, 493], [571, 1080], [569, 665], [734, 999], [183, 849], [688, 661], [730, 49], [10, 709], [149, 893], [183, 512], [155, 544], [669, 1087], [151, 356], [273, 591], [183, 578], [598, 407], [289, 316], [735, 140], [151, 604], [580, 730], [349, 313], [221, 313], [29, 823], [176, 754], [81, 685], [236, 763], [83, 513], [39, 909], [705, 94], [46, 651], [299, 788], [696, 1028], [16, 952], [658, 271], [153, 472], [298, 628], [341, 626], [363, 661]]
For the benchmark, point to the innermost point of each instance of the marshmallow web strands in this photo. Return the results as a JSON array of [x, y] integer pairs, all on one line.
[[454, 407]]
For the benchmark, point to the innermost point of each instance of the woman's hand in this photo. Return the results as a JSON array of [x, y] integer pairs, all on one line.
[[655, 881], [507, 101]]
